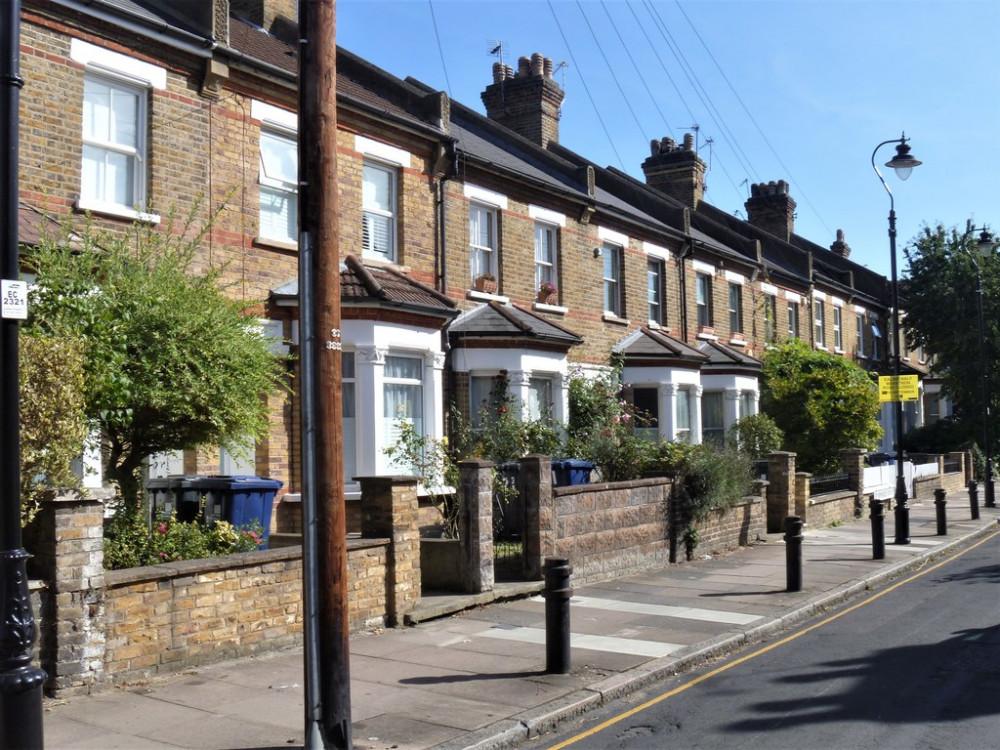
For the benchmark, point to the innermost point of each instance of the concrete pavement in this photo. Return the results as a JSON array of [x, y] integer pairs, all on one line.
[[476, 678]]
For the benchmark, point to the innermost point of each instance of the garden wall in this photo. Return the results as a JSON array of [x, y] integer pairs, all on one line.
[[99, 628], [617, 529]]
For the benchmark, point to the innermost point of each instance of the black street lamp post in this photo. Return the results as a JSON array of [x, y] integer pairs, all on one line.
[[985, 246], [903, 163]]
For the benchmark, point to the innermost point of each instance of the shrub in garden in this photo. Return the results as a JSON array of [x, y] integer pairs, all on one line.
[[130, 543]]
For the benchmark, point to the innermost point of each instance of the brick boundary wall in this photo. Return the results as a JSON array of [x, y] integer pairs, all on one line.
[[613, 529], [101, 628]]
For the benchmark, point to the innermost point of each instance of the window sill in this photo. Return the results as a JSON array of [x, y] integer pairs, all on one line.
[[738, 342], [277, 244], [821, 348], [707, 337], [554, 309], [609, 317], [485, 297], [383, 263], [116, 211], [838, 350]]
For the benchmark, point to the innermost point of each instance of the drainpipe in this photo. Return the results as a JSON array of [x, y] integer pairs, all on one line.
[[687, 253], [442, 253]]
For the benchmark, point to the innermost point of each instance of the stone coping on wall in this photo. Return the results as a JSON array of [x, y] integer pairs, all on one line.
[[181, 568], [574, 489]]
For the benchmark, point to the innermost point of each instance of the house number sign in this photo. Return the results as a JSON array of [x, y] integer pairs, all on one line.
[[15, 299], [334, 342]]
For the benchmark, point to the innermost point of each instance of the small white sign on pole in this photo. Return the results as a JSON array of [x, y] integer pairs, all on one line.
[[14, 295]]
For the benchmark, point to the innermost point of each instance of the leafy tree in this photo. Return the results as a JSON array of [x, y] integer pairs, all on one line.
[[821, 402], [53, 427], [756, 435], [940, 300], [170, 361]]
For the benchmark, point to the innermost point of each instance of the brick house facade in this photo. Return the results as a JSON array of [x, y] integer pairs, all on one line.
[[433, 195]]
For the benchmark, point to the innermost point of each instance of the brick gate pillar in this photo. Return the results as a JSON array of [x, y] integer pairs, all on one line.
[[475, 524], [66, 540], [540, 518], [780, 490], [389, 508]]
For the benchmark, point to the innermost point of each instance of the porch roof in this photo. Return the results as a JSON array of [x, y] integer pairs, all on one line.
[[658, 348], [496, 320]]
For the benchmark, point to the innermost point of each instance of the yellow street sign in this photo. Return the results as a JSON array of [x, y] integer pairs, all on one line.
[[902, 388]]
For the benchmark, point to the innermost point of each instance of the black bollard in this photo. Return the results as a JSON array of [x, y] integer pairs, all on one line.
[[793, 553], [877, 508], [974, 499], [557, 594], [942, 514]]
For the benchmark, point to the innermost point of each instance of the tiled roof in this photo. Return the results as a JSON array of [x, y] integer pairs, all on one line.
[[33, 225], [256, 43], [647, 343], [497, 320], [361, 284], [721, 356]]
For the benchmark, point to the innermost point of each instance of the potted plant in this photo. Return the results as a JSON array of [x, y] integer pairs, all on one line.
[[547, 293], [486, 282]]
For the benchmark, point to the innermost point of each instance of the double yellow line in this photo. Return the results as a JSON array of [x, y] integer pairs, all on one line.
[[754, 654]]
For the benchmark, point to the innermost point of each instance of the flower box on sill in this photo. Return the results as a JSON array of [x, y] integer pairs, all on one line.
[[486, 283]]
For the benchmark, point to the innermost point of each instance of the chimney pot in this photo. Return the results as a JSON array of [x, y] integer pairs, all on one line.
[[498, 72], [548, 67], [688, 142], [537, 64], [524, 66]]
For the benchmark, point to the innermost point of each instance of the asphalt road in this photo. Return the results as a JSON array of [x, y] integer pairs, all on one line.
[[913, 665]]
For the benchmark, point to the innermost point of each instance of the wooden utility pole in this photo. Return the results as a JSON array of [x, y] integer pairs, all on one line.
[[328, 683]]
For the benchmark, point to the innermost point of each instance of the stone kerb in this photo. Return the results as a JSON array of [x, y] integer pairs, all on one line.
[[390, 508], [475, 523]]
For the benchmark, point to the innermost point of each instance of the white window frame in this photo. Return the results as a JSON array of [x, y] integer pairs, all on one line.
[[387, 380], [370, 212], [682, 431], [819, 320], [611, 255], [793, 319], [717, 433], [483, 258], [100, 200], [655, 269], [279, 186], [838, 332], [735, 310], [703, 299], [546, 268], [127, 72], [349, 430]]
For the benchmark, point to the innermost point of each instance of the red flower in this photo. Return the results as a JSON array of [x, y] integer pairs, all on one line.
[[162, 528]]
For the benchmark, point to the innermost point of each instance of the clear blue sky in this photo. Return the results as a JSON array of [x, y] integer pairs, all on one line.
[[798, 90]]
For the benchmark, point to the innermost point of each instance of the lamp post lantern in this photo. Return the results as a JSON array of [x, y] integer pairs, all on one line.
[[903, 163], [985, 247]]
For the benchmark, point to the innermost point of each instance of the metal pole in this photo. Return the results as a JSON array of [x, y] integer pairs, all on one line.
[[20, 682], [941, 511], [902, 508], [974, 499], [793, 553], [990, 498], [328, 704], [877, 516], [557, 593]]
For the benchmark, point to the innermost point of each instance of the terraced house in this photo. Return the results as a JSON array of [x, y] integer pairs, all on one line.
[[471, 243]]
